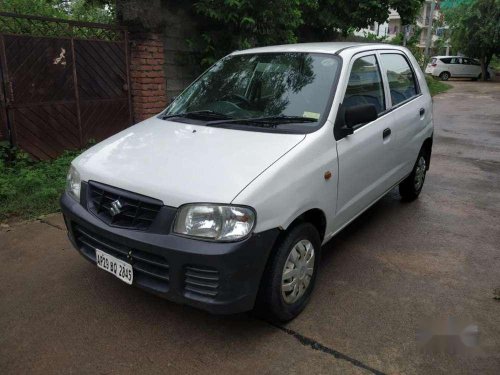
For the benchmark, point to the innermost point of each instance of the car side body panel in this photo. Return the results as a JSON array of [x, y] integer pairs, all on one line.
[[296, 182]]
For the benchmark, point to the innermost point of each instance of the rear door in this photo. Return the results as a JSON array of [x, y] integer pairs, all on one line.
[[409, 111], [364, 157], [458, 67]]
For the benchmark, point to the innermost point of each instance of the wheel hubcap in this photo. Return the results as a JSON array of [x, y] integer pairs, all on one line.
[[420, 173], [297, 272]]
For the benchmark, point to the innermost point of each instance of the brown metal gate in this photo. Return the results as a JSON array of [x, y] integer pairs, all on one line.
[[64, 83]]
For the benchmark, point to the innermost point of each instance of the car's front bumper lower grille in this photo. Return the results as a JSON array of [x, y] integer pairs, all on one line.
[[203, 281], [149, 268]]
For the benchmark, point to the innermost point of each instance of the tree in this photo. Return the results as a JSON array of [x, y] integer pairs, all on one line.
[[80, 10], [227, 25], [475, 29], [326, 18]]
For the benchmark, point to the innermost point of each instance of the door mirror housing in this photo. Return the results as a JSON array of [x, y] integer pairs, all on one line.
[[352, 116], [360, 114]]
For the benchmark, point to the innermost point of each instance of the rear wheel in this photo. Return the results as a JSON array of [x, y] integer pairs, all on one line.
[[445, 76], [290, 276], [411, 186]]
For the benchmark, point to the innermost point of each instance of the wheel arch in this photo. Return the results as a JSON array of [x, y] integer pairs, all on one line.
[[314, 216], [426, 149]]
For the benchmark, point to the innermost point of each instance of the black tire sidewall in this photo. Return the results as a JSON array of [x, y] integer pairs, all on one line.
[[277, 308], [407, 187]]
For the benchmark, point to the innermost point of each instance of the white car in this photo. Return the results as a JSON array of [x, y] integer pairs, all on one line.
[[446, 67], [224, 200]]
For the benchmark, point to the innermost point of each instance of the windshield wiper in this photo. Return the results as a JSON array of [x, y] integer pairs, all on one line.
[[268, 121], [201, 115]]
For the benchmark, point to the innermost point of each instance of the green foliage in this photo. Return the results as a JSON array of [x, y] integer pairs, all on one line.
[[475, 29], [323, 18], [45, 8], [29, 189], [449, 4], [79, 10], [495, 63], [435, 86], [228, 25]]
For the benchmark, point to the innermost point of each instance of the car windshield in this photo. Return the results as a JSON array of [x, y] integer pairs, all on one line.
[[279, 90]]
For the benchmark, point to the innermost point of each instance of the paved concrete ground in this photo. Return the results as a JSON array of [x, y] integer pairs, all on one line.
[[381, 278]]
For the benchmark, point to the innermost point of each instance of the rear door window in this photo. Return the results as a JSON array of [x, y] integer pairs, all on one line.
[[365, 84], [402, 82], [446, 60]]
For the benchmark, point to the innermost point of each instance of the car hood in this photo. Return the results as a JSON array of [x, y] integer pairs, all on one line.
[[182, 163]]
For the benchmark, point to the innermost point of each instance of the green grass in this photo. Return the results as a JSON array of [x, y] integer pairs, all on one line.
[[495, 63], [30, 189], [435, 86]]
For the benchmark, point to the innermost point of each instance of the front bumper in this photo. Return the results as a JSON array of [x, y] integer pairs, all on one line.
[[221, 278]]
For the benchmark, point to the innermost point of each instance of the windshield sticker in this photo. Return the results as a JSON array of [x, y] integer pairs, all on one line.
[[270, 68], [328, 62], [313, 115]]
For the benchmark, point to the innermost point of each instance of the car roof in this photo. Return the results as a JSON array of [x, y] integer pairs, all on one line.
[[324, 47]]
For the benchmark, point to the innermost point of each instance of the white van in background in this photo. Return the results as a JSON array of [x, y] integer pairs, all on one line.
[[446, 67]]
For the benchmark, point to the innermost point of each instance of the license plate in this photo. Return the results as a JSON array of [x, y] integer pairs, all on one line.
[[117, 267]]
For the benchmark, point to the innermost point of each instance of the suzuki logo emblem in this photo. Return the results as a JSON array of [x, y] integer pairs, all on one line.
[[116, 207]]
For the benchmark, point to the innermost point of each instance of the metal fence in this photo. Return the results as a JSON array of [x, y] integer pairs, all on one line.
[[64, 83]]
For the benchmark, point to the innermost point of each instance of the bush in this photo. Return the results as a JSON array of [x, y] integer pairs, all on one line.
[[29, 189]]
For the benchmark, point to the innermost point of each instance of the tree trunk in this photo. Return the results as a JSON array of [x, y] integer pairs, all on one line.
[[485, 63]]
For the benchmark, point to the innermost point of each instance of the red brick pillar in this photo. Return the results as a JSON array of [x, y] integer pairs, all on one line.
[[147, 76]]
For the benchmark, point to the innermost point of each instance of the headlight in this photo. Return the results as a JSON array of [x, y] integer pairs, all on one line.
[[214, 222], [73, 183]]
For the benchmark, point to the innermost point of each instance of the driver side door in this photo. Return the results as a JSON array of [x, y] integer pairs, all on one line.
[[364, 157]]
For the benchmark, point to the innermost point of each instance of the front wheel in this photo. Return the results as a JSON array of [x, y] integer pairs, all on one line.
[[290, 276], [411, 186]]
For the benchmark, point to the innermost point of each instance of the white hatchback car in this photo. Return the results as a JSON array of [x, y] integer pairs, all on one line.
[[446, 67], [224, 200]]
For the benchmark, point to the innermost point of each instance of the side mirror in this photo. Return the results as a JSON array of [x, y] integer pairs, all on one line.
[[360, 114]]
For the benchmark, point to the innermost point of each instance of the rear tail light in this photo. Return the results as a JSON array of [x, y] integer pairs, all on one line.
[[434, 65]]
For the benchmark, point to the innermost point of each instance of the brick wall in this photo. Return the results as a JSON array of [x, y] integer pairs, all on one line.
[[175, 23], [147, 76]]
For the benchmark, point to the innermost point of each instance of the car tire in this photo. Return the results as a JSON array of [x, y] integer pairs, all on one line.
[[445, 76], [411, 186], [290, 274]]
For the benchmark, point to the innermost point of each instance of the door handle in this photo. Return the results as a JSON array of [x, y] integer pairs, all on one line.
[[422, 112], [386, 133]]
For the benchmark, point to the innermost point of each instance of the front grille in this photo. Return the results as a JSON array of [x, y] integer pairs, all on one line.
[[149, 269], [135, 211], [200, 280]]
